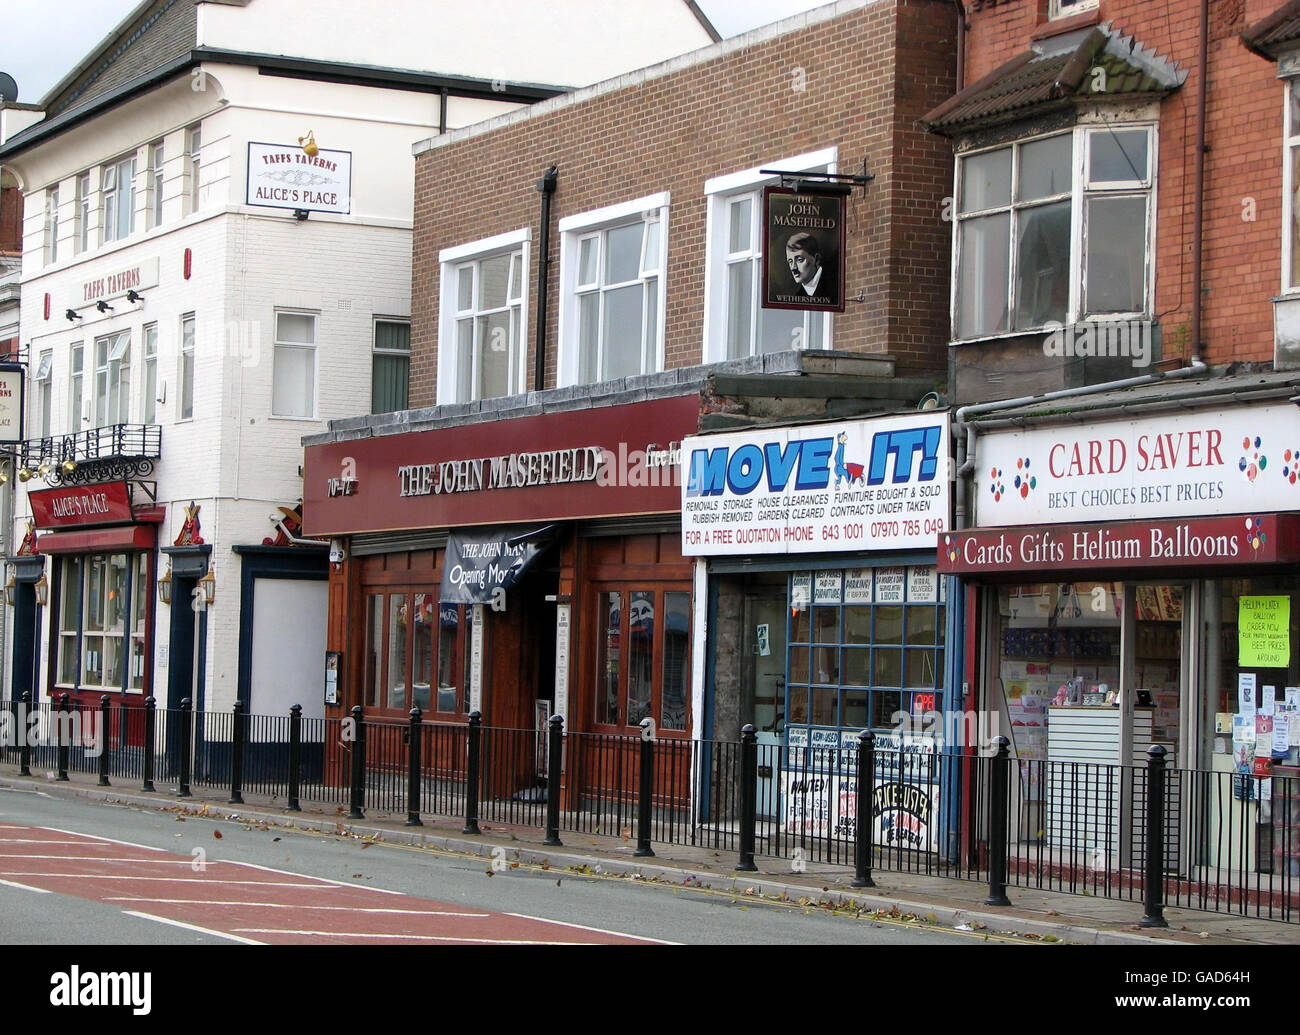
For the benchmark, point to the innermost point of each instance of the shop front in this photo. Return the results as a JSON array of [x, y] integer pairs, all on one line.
[[521, 568], [1136, 584], [826, 615]]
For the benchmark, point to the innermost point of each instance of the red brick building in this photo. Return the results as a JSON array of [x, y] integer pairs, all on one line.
[[643, 251]]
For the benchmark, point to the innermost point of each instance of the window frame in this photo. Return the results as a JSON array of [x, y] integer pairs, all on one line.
[[131, 628], [193, 165], [659, 593], [585, 226], [43, 381], [157, 163], [149, 373], [1290, 203], [1082, 189], [52, 225], [114, 195], [1069, 8], [76, 385], [311, 348], [376, 352], [85, 207], [721, 192], [450, 262], [112, 379], [377, 682]]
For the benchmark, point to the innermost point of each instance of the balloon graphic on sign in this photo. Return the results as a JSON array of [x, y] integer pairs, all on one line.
[[1252, 460]]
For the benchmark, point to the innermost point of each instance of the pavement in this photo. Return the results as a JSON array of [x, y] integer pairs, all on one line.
[[947, 902]]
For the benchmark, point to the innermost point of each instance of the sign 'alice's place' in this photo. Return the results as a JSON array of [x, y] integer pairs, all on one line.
[[803, 250], [284, 176], [878, 484]]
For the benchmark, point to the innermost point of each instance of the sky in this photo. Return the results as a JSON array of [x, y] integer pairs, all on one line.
[[43, 40]]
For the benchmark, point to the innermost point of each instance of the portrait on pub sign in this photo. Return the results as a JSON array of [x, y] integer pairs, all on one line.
[[803, 250]]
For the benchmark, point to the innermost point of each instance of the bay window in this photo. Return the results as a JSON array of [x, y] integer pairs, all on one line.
[[1054, 230]]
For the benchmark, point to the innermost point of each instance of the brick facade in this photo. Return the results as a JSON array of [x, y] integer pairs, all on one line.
[[867, 73]]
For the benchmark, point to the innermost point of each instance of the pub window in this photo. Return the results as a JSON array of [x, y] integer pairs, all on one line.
[[643, 657], [95, 604], [412, 641]]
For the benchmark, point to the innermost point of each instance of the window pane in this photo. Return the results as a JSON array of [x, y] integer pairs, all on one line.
[[588, 336], [1295, 211], [782, 329], [389, 385], [1293, 95], [889, 625], [94, 606], [650, 251], [492, 281], [293, 394], [465, 360], [920, 668], [823, 707], [516, 276], [115, 598], [640, 658], [149, 411], [295, 327], [623, 253], [389, 335], [986, 180], [650, 352], [889, 668], [1043, 264], [740, 213], [371, 680], [1118, 155], [587, 250], [92, 664], [1116, 236], [740, 308], [448, 671], [982, 276], [187, 385], [397, 627], [426, 610], [1045, 168], [921, 625], [494, 356], [607, 671], [677, 660], [465, 289], [623, 316], [71, 598]]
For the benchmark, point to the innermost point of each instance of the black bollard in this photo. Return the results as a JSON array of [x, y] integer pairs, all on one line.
[[238, 734], [295, 756], [1153, 898], [863, 849], [105, 717], [150, 725], [186, 719], [63, 732], [645, 794], [358, 789], [553, 783], [748, 796], [471, 773], [25, 727], [998, 766], [413, 769]]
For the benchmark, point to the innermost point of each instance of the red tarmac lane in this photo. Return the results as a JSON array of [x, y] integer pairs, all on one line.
[[253, 904]]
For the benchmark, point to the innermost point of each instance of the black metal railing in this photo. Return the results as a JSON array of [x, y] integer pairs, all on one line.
[[114, 452]]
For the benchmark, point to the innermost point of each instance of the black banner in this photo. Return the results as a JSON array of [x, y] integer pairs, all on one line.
[[803, 250], [480, 566]]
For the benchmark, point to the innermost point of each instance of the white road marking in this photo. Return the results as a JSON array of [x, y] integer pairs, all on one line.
[[407, 937], [37, 841], [327, 880], [594, 930], [24, 887], [191, 927], [174, 880], [291, 905], [96, 837], [102, 859]]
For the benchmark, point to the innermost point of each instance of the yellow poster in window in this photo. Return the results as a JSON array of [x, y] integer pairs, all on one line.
[[1264, 632]]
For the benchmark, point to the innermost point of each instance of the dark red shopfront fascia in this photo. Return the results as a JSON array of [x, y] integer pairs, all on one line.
[[108, 503], [1186, 544], [609, 461]]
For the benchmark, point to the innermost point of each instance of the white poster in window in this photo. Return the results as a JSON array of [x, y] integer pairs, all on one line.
[[764, 641], [1268, 700], [828, 587], [801, 590], [922, 585], [857, 586], [476, 661], [889, 585], [1246, 694], [562, 661]]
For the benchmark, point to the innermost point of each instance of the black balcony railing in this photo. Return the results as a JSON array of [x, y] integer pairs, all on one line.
[[118, 451]]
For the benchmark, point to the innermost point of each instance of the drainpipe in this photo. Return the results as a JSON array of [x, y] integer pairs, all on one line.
[[1198, 191], [546, 187]]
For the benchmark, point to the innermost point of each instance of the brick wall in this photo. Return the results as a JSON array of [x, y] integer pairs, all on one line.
[[867, 76], [1242, 257]]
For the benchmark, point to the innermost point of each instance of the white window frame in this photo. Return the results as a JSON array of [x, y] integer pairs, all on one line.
[[112, 379], [85, 206], [573, 230], [1069, 8], [193, 155], [185, 370], [52, 225], [1081, 189], [113, 173], [721, 192], [43, 379], [451, 261], [1290, 202], [76, 386], [149, 374], [311, 347], [157, 168]]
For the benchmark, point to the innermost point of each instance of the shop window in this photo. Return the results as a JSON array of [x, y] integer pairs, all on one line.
[[1020, 263], [95, 603], [411, 639], [650, 678], [117, 200], [736, 326], [611, 272], [391, 366], [113, 379], [293, 377], [484, 298], [865, 648]]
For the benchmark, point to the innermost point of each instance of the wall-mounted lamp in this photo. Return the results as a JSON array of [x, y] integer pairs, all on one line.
[[133, 295], [301, 214], [11, 590], [25, 474], [6, 468], [308, 143], [45, 469], [68, 466], [103, 306], [209, 586], [72, 314], [42, 588], [165, 587]]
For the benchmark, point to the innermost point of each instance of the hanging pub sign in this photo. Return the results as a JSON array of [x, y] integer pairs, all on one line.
[[803, 250], [284, 176], [11, 403], [479, 567]]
